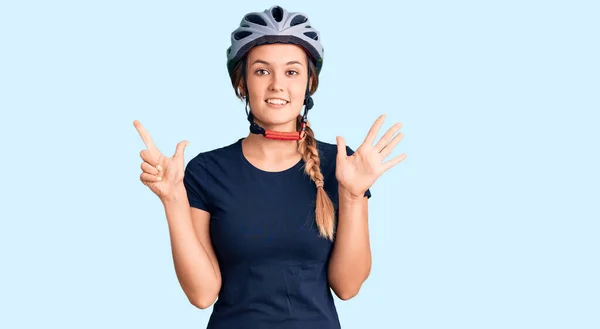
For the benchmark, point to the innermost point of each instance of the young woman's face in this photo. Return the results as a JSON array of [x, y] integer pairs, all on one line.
[[276, 77]]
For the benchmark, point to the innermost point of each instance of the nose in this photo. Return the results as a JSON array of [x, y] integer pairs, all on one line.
[[276, 84]]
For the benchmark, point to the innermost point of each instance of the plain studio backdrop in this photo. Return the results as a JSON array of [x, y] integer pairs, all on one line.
[[490, 222]]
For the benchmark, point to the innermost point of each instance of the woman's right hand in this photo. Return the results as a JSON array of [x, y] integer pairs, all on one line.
[[163, 175]]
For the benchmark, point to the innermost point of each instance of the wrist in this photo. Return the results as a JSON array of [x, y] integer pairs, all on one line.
[[344, 194], [178, 195]]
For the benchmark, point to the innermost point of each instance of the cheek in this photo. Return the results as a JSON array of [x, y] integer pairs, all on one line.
[[299, 91], [254, 87]]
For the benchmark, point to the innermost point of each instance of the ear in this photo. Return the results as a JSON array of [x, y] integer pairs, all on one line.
[[312, 80], [241, 89]]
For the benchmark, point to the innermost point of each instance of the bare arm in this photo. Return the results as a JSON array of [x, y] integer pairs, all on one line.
[[195, 262], [350, 262]]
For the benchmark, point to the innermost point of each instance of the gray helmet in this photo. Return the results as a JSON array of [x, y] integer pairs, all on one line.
[[274, 25]]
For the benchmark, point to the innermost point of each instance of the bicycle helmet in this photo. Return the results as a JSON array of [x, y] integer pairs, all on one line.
[[275, 25]]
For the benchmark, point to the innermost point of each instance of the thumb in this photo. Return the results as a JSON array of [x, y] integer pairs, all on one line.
[[341, 148], [180, 149]]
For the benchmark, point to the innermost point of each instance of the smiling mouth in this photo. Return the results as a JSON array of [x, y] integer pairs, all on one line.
[[276, 101]]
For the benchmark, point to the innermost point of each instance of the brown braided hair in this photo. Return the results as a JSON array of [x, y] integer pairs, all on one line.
[[307, 146], [324, 212]]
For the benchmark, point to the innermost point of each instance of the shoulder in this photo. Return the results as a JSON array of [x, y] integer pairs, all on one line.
[[203, 169], [221, 154], [326, 149], [213, 163]]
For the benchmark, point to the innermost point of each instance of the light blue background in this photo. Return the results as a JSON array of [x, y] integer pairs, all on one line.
[[491, 221]]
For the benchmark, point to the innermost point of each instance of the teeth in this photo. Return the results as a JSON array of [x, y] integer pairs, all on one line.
[[276, 101]]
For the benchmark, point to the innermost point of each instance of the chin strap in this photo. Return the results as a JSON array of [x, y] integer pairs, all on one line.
[[279, 135]]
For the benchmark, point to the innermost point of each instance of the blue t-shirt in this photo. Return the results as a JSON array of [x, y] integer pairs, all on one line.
[[262, 226]]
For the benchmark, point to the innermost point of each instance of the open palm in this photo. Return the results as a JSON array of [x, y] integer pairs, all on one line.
[[163, 175], [358, 172]]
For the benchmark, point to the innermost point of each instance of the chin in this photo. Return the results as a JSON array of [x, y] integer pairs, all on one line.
[[277, 116], [277, 120]]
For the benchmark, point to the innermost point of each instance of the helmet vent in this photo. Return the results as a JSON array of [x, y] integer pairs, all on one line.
[[255, 19], [298, 20], [277, 13], [312, 35], [240, 35]]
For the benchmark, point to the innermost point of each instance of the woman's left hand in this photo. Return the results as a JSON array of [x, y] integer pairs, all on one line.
[[357, 173]]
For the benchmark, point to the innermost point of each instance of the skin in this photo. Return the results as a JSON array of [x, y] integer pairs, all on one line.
[[350, 262], [275, 71], [278, 71]]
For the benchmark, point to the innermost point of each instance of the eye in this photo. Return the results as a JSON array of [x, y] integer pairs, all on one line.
[[261, 72], [292, 72]]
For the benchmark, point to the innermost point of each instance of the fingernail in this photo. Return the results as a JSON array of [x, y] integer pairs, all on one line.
[[159, 178], [159, 167]]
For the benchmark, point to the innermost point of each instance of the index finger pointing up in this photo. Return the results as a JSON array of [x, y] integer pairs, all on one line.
[[145, 136]]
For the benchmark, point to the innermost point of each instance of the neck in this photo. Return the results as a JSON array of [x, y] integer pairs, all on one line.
[[258, 146]]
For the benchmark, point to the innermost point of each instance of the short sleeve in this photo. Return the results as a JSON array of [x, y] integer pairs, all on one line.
[[195, 180], [349, 152]]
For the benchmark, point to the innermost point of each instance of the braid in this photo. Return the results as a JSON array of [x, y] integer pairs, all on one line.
[[325, 214]]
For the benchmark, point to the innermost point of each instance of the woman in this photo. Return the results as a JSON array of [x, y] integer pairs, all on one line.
[[275, 221]]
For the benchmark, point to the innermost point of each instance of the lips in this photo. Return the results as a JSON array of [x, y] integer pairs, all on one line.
[[276, 101]]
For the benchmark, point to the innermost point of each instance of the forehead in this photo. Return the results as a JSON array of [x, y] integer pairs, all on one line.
[[277, 53]]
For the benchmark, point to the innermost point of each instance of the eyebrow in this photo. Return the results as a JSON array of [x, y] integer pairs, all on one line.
[[260, 61]]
